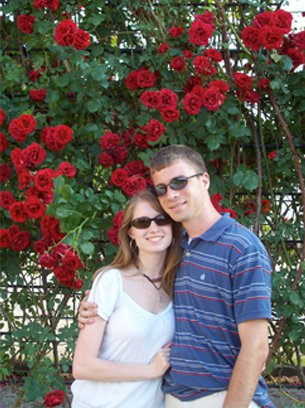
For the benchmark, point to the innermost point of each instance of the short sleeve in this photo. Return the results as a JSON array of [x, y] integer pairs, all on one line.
[[106, 291]]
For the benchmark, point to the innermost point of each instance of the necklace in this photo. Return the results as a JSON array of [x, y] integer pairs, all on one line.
[[153, 281]]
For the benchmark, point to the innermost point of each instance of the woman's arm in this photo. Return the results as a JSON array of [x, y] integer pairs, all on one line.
[[87, 366]]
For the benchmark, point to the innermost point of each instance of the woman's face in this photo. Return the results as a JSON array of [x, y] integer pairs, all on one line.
[[155, 238]]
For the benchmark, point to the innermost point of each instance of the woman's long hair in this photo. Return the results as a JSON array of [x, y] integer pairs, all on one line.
[[128, 253]]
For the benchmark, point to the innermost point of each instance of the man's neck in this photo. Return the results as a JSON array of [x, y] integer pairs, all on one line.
[[199, 225]]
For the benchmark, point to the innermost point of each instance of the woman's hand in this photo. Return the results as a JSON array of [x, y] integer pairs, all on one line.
[[160, 362], [87, 311]]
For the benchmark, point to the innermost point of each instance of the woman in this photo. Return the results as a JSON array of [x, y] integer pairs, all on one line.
[[120, 359]]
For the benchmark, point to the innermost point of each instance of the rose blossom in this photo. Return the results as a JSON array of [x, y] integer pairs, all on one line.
[[200, 32], [192, 81], [5, 172], [213, 98], [136, 167], [203, 66], [250, 37], [64, 33], [38, 95], [43, 180], [118, 177], [151, 99], [131, 81], [300, 40], [50, 228], [33, 155], [42, 245], [133, 185], [187, 54], [272, 155], [168, 98], [207, 17], [21, 241], [271, 37], [170, 114], [5, 239], [140, 141], [4, 143], [71, 261], [66, 169], [64, 276], [34, 208], [264, 84], [106, 160], [163, 47], [155, 130], [175, 31], [282, 19], [243, 81], [81, 39], [221, 85], [178, 64], [48, 261], [21, 127], [2, 117], [192, 103], [109, 140], [24, 179], [263, 19], [25, 23], [145, 78], [17, 212], [213, 54], [6, 199], [51, 4]]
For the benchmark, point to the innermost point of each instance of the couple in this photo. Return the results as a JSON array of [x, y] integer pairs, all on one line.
[[216, 334]]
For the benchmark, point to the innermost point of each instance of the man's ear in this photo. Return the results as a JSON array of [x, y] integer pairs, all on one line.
[[206, 180]]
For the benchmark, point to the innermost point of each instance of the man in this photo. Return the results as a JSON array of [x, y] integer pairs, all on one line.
[[221, 294]]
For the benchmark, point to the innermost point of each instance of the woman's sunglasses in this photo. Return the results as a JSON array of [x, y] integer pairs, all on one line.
[[177, 183], [144, 222]]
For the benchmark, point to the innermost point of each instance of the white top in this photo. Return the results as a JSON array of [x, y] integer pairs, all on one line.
[[132, 335]]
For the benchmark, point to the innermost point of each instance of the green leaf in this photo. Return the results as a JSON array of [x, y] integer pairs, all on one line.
[[93, 105], [87, 248]]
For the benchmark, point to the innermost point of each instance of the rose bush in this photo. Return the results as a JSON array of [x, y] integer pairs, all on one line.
[[88, 97]]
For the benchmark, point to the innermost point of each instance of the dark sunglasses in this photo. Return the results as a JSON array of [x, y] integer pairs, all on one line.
[[144, 222], [177, 183]]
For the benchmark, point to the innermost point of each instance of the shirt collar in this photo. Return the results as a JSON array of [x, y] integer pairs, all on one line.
[[216, 230]]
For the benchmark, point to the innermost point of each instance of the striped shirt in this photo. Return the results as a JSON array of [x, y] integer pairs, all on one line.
[[224, 279]]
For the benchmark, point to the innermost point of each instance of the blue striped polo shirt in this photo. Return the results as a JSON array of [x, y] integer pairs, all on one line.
[[224, 279]]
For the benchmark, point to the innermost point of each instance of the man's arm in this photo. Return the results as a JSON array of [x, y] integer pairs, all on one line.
[[87, 311], [249, 364]]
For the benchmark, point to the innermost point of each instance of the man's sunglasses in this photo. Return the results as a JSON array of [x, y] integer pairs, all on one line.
[[144, 222], [177, 183]]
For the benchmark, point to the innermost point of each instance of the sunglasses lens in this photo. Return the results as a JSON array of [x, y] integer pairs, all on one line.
[[160, 190], [162, 220], [178, 183], [141, 223]]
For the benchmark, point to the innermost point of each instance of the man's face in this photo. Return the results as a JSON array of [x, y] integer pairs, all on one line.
[[188, 203]]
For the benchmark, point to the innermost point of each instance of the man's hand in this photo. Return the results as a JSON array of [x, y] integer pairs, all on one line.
[[86, 312]]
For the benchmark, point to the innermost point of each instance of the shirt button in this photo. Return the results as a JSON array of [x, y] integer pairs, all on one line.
[[188, 253]]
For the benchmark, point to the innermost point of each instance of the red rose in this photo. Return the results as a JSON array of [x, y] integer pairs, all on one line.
[[178, 64], [118, 177], [203, 66], [187, 54], [199, 91], [21, 127], [50, 228], [5, 172], [64, 33], [4, 143], [131, 81], [77, 284], [243, 81], [200, 32], [282, 19], [106, 160], [81, 39], [18, 159], [266, 206], [263, 19], [51, 4], [271, 37], [43, 180], [136, 167], [33, 155], [66, 169], [151, 99], [296, 56], [221, 85], [192, 81], [119, 154], [63, 135], [175, 31], [145, 78], [112, 235], [5, 239], [170, 114], [163, 48], [250, 37], [213, 54], [71, 261], [38, 95], [155, 130], [34, 75], [41, 246], [246, 95], [264, 84], [48, 261], [2, 117], [34, 208], [45, 196], [192, 103], [6, 199], [300, 40], [64, 277], [24, 179], [17, 212], [21, 241], [213, 98], [118, 218], [140, 141], [25, 23], [133, 185], [207, 17], [109, 141], [272, 155], [168, 98]]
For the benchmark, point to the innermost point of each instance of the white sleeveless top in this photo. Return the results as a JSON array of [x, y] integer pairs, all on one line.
[[133, 335]]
